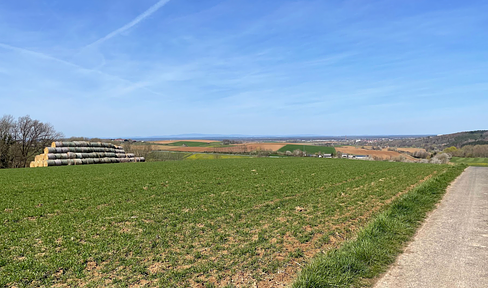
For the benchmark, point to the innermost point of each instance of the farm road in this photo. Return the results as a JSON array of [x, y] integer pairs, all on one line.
[[451, 248]]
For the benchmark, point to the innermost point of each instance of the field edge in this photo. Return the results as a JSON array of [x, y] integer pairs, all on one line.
[[358, 262]]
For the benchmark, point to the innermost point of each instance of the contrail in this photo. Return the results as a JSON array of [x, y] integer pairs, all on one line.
[[134, 22], [54, 59], [40, 55]]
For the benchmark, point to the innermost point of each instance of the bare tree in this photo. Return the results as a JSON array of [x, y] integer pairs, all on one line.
[[128, 147], [143, 150], [31, 137], [7, 124], [22, 139]]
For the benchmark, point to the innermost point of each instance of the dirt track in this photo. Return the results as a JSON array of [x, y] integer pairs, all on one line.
[[451, 248]]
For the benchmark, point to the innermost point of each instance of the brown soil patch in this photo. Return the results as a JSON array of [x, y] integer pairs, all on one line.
[[411, 150], [385, 155]]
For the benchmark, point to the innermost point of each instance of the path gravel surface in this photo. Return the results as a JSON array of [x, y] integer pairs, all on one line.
[[451, 248]]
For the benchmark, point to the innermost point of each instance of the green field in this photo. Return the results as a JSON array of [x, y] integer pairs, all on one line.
[[470, 161], [308, 148], [180, 223], [211, 156]]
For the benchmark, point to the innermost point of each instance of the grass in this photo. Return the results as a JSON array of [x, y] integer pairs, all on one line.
[[358, 261], [470, 161], [180, 223], [308, 148]]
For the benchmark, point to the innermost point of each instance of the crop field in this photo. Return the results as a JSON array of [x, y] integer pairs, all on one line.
[[308, 148], [470, 161], [216, 147], [219, 223], [381, 154], [206, 156], [190, 143], [188, 140]]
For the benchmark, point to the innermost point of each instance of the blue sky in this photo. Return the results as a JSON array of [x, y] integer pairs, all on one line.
[[119, 68]]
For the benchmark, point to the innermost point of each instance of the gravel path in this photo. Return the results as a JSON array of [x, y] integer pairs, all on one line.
[[451, 248]]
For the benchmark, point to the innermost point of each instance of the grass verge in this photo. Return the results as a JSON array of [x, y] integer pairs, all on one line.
[[358, 261]]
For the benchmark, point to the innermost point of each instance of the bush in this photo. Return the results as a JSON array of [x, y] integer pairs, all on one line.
[[442, 158]]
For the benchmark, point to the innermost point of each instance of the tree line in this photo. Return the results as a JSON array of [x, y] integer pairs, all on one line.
[[22, 139], [477, 151]]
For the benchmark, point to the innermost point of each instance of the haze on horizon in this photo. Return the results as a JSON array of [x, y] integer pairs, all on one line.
[[143, 68]]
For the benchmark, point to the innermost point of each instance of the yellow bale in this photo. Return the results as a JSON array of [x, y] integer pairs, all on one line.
[[53, 145]]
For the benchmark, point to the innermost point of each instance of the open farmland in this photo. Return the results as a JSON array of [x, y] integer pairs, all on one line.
[[380, 154], [470, 161], [411, 150], [191, 143], [234, 148], [235, 222], [208, 156], [173, 141], [310, 149]]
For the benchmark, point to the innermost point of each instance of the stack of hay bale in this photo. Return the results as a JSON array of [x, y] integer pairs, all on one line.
[[82, 152]]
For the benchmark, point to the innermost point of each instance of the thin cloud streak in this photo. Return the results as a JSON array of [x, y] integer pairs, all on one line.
[[131, 24], [41, 55], [133, 85]]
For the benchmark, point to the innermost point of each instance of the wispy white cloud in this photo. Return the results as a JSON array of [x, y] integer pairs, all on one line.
[[130, 84], [39, 55], [132, 23]]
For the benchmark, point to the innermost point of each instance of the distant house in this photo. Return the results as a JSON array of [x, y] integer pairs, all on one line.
[[327, 155], [362, 157], [345, 156]]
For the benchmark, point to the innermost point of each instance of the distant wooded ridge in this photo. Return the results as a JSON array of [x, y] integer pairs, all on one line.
[[275, 138], [440, 142]]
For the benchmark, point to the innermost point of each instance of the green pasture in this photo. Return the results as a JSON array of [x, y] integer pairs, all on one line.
[[210, 156]]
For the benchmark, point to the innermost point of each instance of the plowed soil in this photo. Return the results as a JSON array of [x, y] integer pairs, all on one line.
[[373, 153], [411, 150]]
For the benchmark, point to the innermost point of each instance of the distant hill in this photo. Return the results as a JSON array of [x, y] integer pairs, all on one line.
[[460, 139]]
